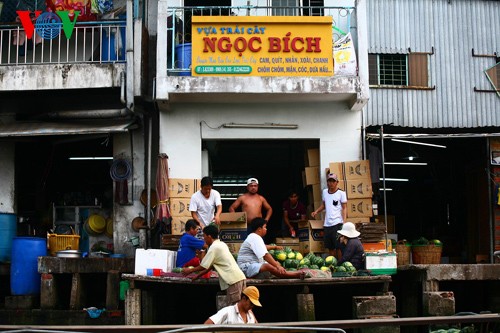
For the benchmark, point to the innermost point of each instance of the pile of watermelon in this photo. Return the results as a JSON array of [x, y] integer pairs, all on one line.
[[293, 260]]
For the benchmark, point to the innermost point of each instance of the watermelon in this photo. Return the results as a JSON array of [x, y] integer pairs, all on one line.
[[177, 270], [340, 269], [280, 256], [271, 252], [305, 262], [331, 261], [347, 264], [302, 266], [287, 249], [318, 261], [295, 263], [291, 255], [310, 255], [436, 242], [287, 263], [325, 269], [313, 267], [298, 256]]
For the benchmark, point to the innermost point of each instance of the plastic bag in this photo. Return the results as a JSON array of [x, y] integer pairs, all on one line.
[[344, 54]]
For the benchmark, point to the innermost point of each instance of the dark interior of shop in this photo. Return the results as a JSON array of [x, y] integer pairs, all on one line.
[[446, 199]]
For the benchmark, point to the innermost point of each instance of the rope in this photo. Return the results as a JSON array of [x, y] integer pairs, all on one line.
[[120, 170]]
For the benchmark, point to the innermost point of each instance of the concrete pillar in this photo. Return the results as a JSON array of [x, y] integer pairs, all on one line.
[[133, 307], [383, 306], [76, 301], [438, 303], [305, 307], [113, 290], [48, 292]]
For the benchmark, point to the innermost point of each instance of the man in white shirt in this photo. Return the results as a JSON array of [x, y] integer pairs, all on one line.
[[206, 205], [239, 313], [335, 204]]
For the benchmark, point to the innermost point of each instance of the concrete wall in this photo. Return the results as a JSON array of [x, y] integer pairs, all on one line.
[[124, 214], [7, 176], [182, 128]]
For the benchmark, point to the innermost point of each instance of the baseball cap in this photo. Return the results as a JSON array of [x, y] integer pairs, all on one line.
[[253, 294], [252, 180], [332, 176]]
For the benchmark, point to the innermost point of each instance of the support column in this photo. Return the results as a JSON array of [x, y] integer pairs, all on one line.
[[76, 298], [305, 306], [48, 292], [133, 307], [113, 290]]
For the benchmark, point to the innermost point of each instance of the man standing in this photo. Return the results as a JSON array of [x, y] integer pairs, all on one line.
[[255, 260], [252, 203], [335, 204], [239, 313], [206, 205], [218, 256]]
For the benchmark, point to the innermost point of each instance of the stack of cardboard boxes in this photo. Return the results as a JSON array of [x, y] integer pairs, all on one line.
[[180, 192]]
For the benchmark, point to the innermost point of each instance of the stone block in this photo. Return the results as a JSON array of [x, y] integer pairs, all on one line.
[[379, 329], [369, 306], [22, 302], [438, 303]]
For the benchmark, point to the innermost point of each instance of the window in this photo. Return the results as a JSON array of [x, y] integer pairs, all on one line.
[[398, 69], [284, 7], [493, 75]]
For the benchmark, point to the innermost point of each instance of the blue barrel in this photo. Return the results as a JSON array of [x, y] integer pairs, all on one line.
[[183, 58], [24, 277], [8, 230]]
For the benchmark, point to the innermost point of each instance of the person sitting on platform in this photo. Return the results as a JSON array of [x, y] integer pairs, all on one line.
[[255, 260], [190, 248], [218, 256], [353, 250], [239, 313]]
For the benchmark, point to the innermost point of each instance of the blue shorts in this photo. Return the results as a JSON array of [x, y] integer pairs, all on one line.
[[251, 269]]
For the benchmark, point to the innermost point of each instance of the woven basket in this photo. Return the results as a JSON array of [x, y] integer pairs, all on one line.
[[426, 254], [404, 252]]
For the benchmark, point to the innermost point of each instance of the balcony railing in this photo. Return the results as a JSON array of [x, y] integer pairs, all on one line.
[[90, 42], [179, 23]]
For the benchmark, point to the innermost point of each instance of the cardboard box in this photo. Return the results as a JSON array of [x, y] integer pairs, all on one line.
[[359, 188], [180, 207], [178, 224], [292, 243], [152, 258], [233, 230], [359, 208], [312, 175], [182, 188], [381, 263], [357, 169], [316, 192], [313, 157], [338, 168], [311, 236], [358, 220]]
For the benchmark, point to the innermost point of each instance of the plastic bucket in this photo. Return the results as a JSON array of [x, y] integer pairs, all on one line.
[[183, 58], [97, 223], [24, 276], [8, 230]]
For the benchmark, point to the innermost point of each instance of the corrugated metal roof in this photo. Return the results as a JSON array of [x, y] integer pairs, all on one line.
[[453, 28], [19, 129]]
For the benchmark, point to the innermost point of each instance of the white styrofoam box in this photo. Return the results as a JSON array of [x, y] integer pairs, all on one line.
[[151, 258], [381, 263]]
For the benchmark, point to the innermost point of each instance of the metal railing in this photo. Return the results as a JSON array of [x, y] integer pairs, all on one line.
[[90, 42], [179, 22]]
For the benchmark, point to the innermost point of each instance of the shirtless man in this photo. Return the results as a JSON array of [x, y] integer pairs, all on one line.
[[251, 202]]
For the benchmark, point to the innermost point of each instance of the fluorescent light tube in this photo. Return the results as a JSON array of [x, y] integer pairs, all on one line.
[[90, 158], [386, 189], [269, 125], [395, 179], [405, 163], [419, 143]]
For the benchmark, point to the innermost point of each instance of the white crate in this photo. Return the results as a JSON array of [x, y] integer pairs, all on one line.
[[151, 258], [381, 263]]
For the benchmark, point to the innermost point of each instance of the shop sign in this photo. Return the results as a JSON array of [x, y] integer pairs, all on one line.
[[262, 46], [48, 25]]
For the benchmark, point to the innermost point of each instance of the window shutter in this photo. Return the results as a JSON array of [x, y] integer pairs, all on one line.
[[372, 70], [418, 74], [494, 75]]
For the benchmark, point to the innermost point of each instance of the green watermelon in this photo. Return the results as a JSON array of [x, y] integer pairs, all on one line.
[[298, 255], [287, 249], [325, 269], [280, 256], [271, 252], [291, 255], [330, 261], [340, 269], [318, 261], [305, 262], [287, 263], [303, 266], [177, 270], [313, 267]]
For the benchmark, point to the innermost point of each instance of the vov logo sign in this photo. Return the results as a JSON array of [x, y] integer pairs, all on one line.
[[48, 25]]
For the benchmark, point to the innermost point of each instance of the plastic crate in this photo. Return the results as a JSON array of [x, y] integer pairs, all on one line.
[[62, 242]]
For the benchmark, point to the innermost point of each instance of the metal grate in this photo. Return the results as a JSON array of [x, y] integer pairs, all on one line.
[[388, 69]]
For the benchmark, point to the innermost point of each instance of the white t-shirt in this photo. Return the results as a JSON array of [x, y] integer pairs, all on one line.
[[333, 207], [252, 250], [205, 207], [231, 315]]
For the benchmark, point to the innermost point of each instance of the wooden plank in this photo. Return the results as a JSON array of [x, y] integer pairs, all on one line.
[[76, 297], [57, 265], [113, 290]]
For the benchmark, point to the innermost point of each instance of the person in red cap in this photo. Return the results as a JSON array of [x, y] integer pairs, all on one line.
[[239, 313], [335, 205]]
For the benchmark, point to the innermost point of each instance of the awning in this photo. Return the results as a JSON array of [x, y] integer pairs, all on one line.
[[19, 129]]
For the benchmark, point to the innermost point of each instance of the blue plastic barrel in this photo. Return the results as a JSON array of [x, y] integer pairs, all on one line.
[[183, 58], [24, 277], [8, 230]]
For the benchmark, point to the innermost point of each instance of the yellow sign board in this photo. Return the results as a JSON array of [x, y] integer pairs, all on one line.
[[262, 46]]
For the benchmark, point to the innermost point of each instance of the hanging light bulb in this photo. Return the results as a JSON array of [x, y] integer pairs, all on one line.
[[412, 155]]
